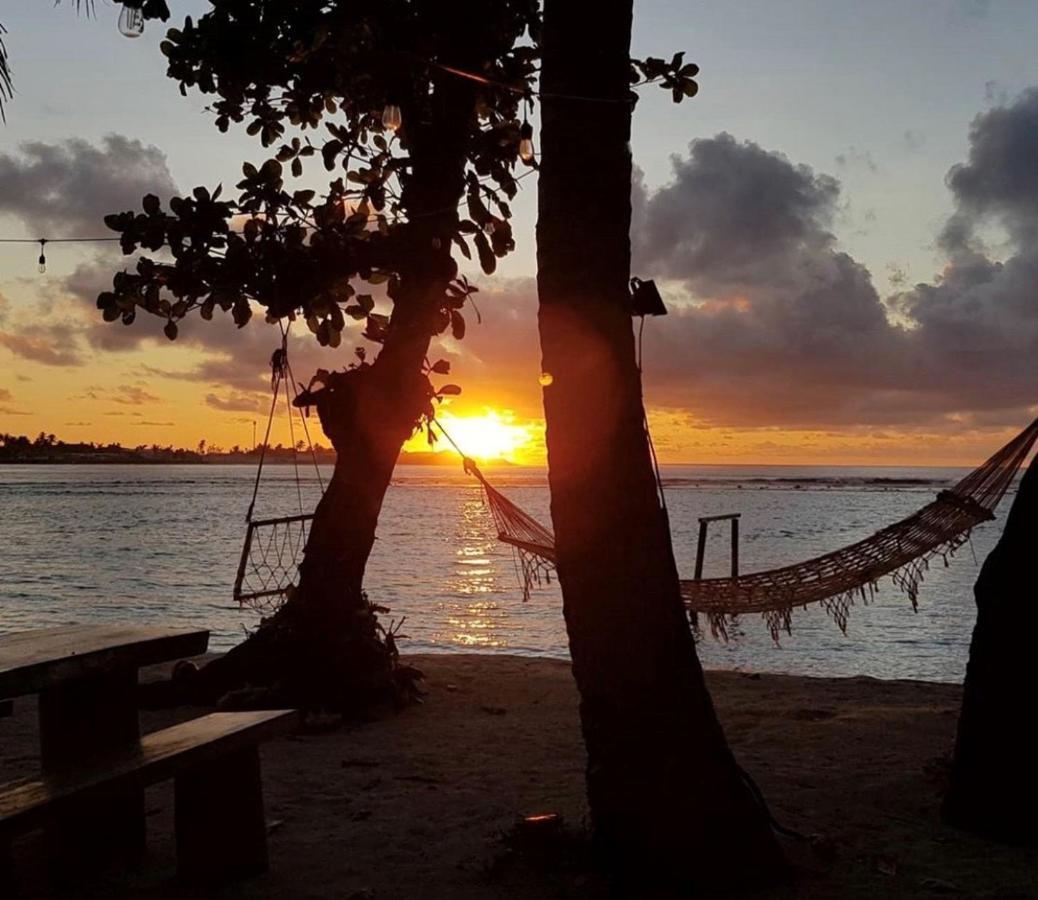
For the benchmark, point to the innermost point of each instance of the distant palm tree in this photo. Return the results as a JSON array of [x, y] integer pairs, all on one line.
[[6, 83]]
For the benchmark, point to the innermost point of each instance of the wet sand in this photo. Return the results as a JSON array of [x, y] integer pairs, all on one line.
[[417, 804]]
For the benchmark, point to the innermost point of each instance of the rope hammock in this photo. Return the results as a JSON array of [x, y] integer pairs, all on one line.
[[835, 580], [269, 562]]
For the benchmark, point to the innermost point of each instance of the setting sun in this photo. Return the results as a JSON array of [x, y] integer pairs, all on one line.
[[492, 435]]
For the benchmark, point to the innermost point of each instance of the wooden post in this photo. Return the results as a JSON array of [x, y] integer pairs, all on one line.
[[704, 521], [701, 548], [220, 827]]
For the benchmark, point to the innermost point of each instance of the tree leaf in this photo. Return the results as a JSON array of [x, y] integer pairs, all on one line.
[[487, 260], [457, 325]]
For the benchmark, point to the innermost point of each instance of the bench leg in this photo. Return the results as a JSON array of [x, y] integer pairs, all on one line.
[[8, 882], [220, 827], [80, 719]]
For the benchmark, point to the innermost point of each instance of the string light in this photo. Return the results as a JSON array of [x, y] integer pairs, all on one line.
[[526, 151], [42, 266], [391, 117], [131, 21]]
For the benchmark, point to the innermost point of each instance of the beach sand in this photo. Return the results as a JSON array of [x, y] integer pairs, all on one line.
[[417, 804]]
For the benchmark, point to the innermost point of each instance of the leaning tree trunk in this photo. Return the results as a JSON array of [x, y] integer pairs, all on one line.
[[665, 792], [994, 782], [324, 646]]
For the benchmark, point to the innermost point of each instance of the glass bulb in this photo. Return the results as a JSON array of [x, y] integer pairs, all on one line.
[[131, 22], [42, 264], [526, 153], [391, 118], [546, 379]]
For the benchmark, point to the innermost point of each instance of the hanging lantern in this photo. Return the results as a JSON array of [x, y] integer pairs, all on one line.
[[131, 21], [42, 263], [646, 299], [526, 152], [391, 117]]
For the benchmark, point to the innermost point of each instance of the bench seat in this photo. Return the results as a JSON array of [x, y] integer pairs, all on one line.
[[215, 763]]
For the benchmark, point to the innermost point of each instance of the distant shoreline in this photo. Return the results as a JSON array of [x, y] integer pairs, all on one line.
[[190, 458]]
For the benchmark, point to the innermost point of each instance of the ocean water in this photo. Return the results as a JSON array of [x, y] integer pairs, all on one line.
[[160, 545]]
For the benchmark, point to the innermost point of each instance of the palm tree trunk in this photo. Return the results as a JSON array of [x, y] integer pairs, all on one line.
[[994, 783], [665, 792]]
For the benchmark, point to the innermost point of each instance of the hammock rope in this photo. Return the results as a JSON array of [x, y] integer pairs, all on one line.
[[834, 580], [273, 547]]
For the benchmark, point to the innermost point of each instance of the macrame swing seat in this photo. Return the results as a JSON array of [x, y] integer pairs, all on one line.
[[835, 580], [269, 563]]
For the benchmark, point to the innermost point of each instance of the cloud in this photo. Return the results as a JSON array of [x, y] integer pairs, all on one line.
[[979, 320], [40, 345], [67, 187], [235, 402], [912, 140], [772, 323], [131, 395], [5, 396], [852, 157]]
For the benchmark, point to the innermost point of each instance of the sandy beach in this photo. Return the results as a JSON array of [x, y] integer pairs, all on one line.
[[418, 804]]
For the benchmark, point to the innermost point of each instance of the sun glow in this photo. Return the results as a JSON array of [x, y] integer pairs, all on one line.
[[492, 435]]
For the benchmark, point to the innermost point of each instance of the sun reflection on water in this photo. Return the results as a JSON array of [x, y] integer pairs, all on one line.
[[475, 619]]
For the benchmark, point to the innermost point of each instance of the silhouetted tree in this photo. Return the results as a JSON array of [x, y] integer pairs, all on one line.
[[994, 781], [666, 795], [365, 89]]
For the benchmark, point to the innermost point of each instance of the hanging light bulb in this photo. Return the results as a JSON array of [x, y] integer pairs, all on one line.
[[526, 153], [391, 118], [42, 266], [131, 21]]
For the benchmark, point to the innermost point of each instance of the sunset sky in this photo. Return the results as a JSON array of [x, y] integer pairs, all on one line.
[[844, 224]]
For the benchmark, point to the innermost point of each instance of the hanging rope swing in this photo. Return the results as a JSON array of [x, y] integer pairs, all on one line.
[[273, 548]]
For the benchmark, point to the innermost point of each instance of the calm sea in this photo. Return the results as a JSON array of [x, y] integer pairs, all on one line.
[[160, 545]]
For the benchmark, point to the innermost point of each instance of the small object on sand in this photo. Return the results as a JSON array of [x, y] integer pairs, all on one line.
[[494, 710], [884, 864], [358, 763], [540, 821], [451, 687]]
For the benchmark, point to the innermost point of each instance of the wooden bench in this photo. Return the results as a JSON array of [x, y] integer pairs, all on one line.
[[214, 761]]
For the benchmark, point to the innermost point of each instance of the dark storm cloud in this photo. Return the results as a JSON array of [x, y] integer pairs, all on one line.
[[785, 328], [66, 188], [734, 215], [979, 320]]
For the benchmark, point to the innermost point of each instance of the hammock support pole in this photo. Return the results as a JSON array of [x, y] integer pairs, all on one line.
[[704, 521]]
